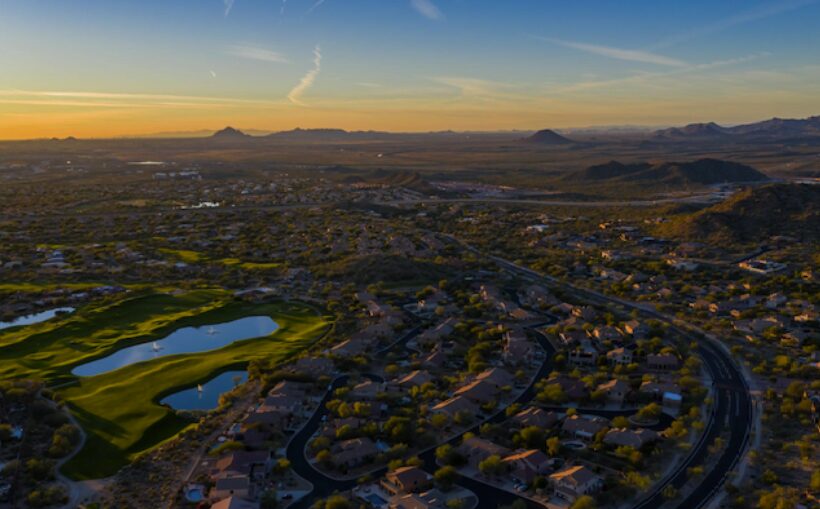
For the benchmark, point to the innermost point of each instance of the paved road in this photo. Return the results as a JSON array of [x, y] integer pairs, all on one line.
[[489, 497], [698, 198], [732, 410]]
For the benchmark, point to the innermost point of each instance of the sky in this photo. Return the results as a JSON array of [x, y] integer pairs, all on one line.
[[99, 68]]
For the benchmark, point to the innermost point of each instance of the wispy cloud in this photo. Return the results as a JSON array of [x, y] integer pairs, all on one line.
[[256, 53], [315, 5], [646, 78], [228, 6], [295, 95], [757, 13], [427, 9], [121, 99], [213, 73], [618, 53]]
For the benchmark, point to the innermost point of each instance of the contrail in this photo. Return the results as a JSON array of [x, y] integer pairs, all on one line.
[[295, 95]]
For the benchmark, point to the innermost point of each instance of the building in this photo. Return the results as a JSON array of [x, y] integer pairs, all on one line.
[[631, 438], [619, 357], [662, 362], [432, 499], [584, 427], [526, 465], [406, 480], [616, 390], [476, 450], [235, 503], [573, 482], [354, 452], [533, 416], [457, 405]]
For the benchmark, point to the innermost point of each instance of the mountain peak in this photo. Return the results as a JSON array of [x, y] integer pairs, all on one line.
[[547, 137], [229, 132]]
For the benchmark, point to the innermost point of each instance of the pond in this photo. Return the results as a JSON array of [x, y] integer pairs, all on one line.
[[35, 318], [185, 340], [206, 396]]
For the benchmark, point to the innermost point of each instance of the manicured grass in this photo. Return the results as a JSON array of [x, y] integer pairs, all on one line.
[[33, 286], [49, 350], [183, 254], [119, 410], [195, 257]]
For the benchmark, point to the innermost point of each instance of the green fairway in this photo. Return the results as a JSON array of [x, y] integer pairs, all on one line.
[[119, 410]]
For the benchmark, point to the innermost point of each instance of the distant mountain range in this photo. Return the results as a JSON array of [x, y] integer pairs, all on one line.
[[547, 137], [773, 128], [754, 215], [702, 172], [326, 135]]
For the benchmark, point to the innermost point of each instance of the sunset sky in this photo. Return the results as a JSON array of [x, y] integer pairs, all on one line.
[[98, 68]]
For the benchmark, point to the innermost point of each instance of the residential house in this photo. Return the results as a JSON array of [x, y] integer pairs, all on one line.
[[574, 482], [572, 388], [479, 392], [616, 390], [354, 452], [235, 503], [349, 348], [572, 337], [432, 499], [631, 438], [406, 480], [619, 357], [414, 379], [456, 405], [534, 416], [518, 349], [241, 463], [657, 389], [476, 450], [497, 377], [367, 390], [526, 465], [636, 329], [226, 487], [606, 333], [662, 362], [584, 427]]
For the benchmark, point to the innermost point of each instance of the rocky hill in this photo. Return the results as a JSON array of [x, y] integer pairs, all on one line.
[[754, 215], [700, 172]]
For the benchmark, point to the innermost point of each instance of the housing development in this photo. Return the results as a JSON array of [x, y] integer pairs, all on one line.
[[409, 254]]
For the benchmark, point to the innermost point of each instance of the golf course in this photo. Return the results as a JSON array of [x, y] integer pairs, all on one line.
[[119, 409]]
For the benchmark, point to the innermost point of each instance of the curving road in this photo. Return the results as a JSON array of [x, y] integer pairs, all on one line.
[[732, 411]]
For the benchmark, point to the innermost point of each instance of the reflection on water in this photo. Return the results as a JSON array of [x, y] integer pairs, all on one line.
[[208, 397], [185, 340], [35, 318]]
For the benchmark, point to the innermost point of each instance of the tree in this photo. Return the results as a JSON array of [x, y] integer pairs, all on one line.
[[445, 477], [779, 498], [553, 446], [583, 502], [532, 436], [268, 500], [552, 393], [815, 480], [620, 422], [439, 421], [650, 412], [492, 465]]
